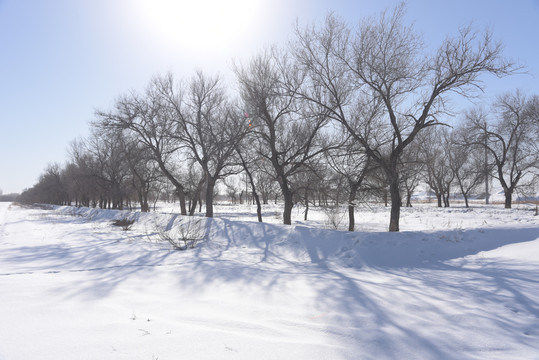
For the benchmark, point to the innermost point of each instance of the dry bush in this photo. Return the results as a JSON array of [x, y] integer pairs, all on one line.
[[186, 235], [335, 217], [125, 224]]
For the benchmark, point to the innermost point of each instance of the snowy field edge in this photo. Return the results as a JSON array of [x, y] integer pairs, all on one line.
[[307, 244], [74, 284]]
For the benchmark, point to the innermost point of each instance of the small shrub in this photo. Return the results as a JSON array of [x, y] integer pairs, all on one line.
[[335, 217], [125, 224], [186, 235]]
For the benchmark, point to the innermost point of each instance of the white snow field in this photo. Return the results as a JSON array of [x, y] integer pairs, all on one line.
[[456, 284]]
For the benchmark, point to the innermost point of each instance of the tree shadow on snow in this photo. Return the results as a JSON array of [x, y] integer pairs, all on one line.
[[377, 295], [358, 276]]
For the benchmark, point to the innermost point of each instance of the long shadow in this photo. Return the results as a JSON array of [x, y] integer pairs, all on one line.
[[337, 265], [111, 255], [422, 249], [336, 290], [401, 257]]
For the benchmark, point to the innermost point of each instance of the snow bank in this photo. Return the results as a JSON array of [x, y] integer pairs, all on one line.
[[304, 244]]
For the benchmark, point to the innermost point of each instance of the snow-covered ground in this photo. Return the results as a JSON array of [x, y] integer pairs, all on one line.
[[375, 217], [455, 284]]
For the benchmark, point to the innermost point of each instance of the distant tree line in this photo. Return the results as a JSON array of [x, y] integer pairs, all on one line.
[[337, 116], [8, 197]]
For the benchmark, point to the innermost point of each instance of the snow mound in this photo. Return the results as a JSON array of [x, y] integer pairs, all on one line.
[[302, 244]]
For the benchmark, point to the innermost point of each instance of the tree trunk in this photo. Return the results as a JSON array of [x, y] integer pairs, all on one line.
[[146, 204], [351, 207], [446, 200], [196, 196], [439, 198], [351, 217], [210, 186], [408, 198], [306, 205], [288, 205], [177, 185], [193, 205], [253, 190], [143, 202], [508, 198], [463, 193], [258, 206], [181, 196], [395, 204]]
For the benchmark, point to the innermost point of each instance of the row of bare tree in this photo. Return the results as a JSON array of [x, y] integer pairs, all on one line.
[[338, 110], [500, 143]]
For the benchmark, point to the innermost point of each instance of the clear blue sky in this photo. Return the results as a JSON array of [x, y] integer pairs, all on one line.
[[62, 59]]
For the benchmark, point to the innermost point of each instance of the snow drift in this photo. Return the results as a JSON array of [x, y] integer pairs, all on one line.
[[73, 285]]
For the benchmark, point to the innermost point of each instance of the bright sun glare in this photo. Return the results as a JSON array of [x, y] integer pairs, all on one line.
[[199, 24]]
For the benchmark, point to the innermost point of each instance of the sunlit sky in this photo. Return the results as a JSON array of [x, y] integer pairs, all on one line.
[[60, 60]]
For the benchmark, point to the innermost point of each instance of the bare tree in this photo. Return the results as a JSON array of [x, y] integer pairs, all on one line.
[[532, 112], [310, 182], [510, 140], [51, 188], [266, 185], [209, 126], [329, 87], [467, 164], [351, 163], [108, 166], [383, 63], [149, 117], [386, 57], [81, 185], [288, 134], [144, 172], [412, 168], [248, 164], [435, 154], [195, 181]]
